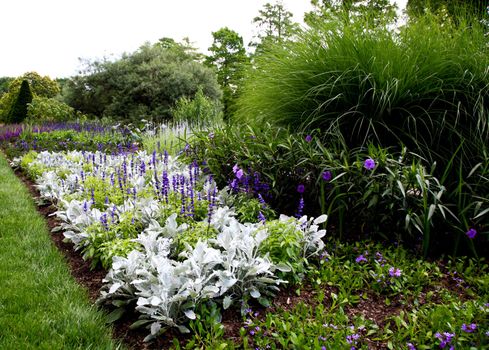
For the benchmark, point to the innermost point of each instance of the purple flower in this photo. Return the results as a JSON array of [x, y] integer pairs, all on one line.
[[470, 328], [239, 174], [261, 217], [445, 338], [211, 135], [326, 175], [471, 233], [369, 164], [411, 346], [394, 272], [235, 168], [300, 208], [360, 258], [308, 138], [301, 188]]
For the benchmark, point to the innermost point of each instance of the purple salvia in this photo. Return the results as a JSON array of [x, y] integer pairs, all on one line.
[[112, 213], [166, 186], [124, 170], [93, 196], [142, 167], [166, 158], [300, 208], [182, 192], [153, 159], [174, 183]]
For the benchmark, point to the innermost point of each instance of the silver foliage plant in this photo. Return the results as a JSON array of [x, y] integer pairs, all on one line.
[[165, 290]]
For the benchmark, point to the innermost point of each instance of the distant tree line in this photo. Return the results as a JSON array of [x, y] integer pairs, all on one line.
[[149, 82]]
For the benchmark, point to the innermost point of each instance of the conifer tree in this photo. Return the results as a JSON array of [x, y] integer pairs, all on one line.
[[18, 112]]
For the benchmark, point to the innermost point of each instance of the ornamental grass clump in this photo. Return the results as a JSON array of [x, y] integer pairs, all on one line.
[[424, 87]]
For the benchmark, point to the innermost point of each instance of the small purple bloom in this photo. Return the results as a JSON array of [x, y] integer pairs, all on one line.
[[394, 272], [326, 175], [301, 188], [211, 135], [411, 346], [369, 164], [471, 233], [308, 138], [235, 168], [239, 174], [469, 328], [360, 258]]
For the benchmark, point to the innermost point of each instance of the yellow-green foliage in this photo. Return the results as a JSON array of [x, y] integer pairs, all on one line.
[[200, 231], [34, 170], [284, 245], [117, 247]]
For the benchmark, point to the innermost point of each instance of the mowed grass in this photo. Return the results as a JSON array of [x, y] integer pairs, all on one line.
[[41, 305]]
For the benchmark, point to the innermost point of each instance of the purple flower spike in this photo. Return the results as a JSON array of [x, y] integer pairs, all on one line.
[[369, 164], [308, 138], [326, 175], [239, 174], [301, 188], [471, 233]]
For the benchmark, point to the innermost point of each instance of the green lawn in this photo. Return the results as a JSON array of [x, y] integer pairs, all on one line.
[[41, 305]]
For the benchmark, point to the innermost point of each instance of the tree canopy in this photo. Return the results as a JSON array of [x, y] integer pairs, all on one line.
[[39, 86], [143, 84], [415, 8], [274, 24], [372, 12], [228, 56]]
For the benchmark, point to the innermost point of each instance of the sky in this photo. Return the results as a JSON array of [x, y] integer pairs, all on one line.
[[50, 36]]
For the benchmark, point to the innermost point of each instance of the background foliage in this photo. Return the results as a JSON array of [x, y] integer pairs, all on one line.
[[142, 84]]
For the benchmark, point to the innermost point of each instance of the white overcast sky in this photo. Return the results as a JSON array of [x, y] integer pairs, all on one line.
[[48, 36]]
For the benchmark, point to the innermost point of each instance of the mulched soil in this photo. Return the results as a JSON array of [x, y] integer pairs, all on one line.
[[372, 308]]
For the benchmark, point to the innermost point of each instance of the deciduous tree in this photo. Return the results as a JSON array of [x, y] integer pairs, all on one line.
[[143, 84]]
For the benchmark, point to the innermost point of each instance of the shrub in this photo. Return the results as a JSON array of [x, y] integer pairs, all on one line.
[[199, 111], [395, 196], [49, 109]]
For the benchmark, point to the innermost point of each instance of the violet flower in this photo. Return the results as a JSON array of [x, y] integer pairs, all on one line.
[[326, 175], [301, 188], [369, 164], [471, 233]]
